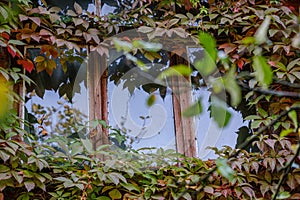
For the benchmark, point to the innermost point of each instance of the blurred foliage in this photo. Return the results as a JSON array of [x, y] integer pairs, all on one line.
[[253, 44]]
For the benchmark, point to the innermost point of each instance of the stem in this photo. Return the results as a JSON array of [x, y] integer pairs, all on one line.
[[272, 92], [287, 169], [246, 143]]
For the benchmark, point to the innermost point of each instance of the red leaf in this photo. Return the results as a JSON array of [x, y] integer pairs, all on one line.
[[272, 63], [240, 63], [187, 4], [11, 51], [26, 64], [228, 47], [5, 35]]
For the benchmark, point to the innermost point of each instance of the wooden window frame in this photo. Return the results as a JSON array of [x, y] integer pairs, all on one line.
[[98, 105]]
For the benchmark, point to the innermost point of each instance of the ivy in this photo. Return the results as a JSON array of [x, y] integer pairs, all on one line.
[[253, 44]]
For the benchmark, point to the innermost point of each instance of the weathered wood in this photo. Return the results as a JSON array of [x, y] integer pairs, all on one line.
[[97, 87], [184, 127]]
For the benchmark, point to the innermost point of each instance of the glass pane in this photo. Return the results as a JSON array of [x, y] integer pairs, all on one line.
[[208, 133], [57, 104], [142, 126]]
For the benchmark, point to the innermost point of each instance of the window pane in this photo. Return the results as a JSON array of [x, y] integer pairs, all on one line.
[[207, 131], [57, 103], [142, 125]]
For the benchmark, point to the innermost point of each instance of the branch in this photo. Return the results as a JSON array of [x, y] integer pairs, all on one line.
[[287, 83], [271, 92], [243, 145], [287, 169]]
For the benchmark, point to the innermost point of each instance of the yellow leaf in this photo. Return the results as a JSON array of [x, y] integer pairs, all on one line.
[[40, 66], [5, 96], [39, 59], [51, 64]]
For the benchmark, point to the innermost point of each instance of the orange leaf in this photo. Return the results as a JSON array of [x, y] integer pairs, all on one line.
[[44, 132], [26, 64], [51, 65], [240, 63]]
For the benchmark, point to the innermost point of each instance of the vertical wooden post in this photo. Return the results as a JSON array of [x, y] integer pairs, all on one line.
[[184, 127], [97, 87], [98, 7]]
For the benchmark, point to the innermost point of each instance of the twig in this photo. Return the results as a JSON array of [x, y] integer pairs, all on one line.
[[244, 144], [271, 92], [287, 83], [287, 169]]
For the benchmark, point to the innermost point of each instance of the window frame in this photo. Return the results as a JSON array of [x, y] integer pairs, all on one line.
[[98, 105]]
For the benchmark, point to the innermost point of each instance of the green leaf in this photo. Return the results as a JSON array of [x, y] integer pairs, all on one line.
[[262, 112], [293, 116], [207, 64], [187, 196], [286, 132], [80, 186], [232, 88], [25, 196], [4, 156], [87, 145], [116, 177], [148, 46], [68, 184], [261, 33], [145, 29], [16, 42], [63, 179], [177, 70], [122, 45], [219, 112], [193, 110], [283, 195], [4, 168], [115, 194], [224, 169], [263, 72], [209, 44], [151, 100], [251, 117], [130, 187]]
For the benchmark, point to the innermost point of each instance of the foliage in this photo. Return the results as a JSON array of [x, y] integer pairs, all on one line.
[[43, 173], [256, 49]]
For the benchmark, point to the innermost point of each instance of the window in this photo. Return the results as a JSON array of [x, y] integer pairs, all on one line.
[[114, 90], [56, 100]]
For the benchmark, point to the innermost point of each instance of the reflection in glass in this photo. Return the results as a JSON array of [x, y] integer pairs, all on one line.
[[208, 133], [57, 104], [129, 87], [144, 126]]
